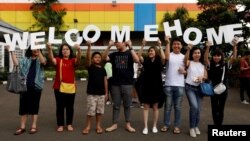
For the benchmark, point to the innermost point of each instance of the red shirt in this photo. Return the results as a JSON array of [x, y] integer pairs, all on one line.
[[68, 71], [244, 64]]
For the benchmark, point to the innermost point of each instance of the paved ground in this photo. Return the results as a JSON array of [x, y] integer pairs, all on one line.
[[235, 113]]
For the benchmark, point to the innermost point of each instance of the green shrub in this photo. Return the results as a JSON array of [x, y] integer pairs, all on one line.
[[50, 74], [81, 73], [3, 76]]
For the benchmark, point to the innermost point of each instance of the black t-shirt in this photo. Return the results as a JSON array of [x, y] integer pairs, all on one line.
[[215, 73], [96, 80], [122, 68], [32, 74]]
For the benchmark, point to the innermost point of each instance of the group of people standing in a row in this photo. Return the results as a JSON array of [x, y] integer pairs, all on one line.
[[184, 73]]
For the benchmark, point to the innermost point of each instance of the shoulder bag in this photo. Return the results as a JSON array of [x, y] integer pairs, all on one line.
[[67, 88], [206, 88], [220, 88], [16, 83]]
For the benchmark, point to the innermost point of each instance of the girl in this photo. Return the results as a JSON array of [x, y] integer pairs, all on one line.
[[215, 71], [152, 83]]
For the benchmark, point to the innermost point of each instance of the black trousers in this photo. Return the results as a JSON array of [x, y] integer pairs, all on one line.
[[30, 101], [218, 105], [64, 101], [244, 87]]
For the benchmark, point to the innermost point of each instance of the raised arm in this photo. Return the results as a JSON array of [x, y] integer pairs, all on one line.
[[78, 55], [162, 55], [167, 50], [186, 59], [13, 56], [41, 58], [51, 56], [106, 52], [134, 55], [235, 45], [141, 50], [206, 55], [88, 56]]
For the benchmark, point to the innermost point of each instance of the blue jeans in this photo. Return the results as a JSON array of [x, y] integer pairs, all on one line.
[[174, 97], [121, 93], [194, 99]]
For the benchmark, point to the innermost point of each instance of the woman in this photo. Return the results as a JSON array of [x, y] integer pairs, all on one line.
[[31, 67], [215, 71], [152, 88], [196, 73], [67, 63]]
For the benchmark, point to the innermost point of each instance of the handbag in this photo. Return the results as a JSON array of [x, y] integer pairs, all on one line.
[[206, 89], [67, 88], [220, 88], [16, 83]]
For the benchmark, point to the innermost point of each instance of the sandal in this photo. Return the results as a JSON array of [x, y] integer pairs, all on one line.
[[131, 130], [111, 128], [177, 130], [60, 129], [70, 128], [33, 130], [99, 130], [19, 131], [85, 131], [164, 129]]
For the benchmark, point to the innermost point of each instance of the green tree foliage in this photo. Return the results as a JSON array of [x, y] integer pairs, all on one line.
[[244, 17], [216, 13], [182, 14], [47, 15]]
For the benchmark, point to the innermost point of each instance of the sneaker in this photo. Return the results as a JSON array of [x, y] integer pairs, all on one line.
[[244, 102], [197, 131], [141, 106], [108, 103], [145, 131], [154, 130], [192, 132]]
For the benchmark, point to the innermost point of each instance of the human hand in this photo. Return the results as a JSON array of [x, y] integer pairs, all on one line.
[[167, 39]]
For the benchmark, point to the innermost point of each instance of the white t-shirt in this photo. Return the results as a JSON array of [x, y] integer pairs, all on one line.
[[135, 70], [194, 70], [173, 77]]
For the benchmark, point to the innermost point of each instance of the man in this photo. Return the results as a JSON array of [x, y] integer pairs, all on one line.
[[122, 83], [174, 84]]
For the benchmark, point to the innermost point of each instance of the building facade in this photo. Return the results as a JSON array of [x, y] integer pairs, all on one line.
[[102, 13]]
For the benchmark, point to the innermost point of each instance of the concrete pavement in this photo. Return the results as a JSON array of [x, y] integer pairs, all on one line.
[[235, 113]]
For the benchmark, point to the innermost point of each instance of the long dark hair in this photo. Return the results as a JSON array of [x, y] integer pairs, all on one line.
[[28, 52], [217, 52], [60, 55], [155, 49], [191, 54]]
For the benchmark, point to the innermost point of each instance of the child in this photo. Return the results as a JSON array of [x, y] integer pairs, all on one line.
[[97, 90]]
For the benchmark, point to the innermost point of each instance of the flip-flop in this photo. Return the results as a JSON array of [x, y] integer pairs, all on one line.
[[19, 131], [70, 128], [176, 130], [85, 131], [60, 129], [164, 129], [33, 130], [110, 129], [99, 130], [131, 130]]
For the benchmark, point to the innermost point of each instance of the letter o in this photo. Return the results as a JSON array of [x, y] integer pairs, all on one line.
[[198, 38]]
